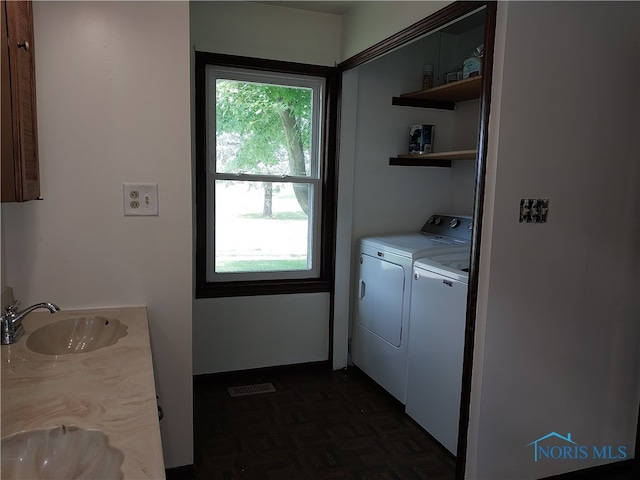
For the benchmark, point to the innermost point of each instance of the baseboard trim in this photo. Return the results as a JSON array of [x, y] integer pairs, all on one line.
[[601, 471], [185, 472], [205, 378]]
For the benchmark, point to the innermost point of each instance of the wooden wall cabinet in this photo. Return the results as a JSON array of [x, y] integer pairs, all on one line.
[[20, 167]]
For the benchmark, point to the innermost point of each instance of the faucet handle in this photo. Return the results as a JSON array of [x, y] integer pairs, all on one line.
[[12, 308]]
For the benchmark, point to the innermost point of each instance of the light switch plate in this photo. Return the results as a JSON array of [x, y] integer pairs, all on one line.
[[140, 199], [534, 210]]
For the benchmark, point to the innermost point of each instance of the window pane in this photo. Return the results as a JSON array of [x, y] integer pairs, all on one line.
[[262, 226], [263, 129]]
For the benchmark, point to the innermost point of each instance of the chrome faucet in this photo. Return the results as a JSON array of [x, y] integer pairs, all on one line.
[[11, 321]]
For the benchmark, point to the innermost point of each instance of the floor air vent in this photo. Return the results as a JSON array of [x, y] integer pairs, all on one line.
[[251, 389]]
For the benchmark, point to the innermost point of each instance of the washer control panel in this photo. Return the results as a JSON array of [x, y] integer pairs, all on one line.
[[459, 227]]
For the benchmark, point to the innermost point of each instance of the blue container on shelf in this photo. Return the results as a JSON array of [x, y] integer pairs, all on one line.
[[421, 139]]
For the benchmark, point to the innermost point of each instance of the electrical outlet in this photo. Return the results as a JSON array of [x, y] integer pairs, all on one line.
[[140, 199]]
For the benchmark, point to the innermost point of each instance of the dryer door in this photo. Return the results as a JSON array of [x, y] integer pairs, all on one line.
[[380, 294]]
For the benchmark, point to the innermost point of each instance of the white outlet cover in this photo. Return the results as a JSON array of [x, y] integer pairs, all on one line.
[[140, 199]]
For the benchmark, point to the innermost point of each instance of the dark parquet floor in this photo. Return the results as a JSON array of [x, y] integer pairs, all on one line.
[[318, 424]]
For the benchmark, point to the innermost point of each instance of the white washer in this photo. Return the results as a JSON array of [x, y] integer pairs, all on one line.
[[436, 343], [383, 295]]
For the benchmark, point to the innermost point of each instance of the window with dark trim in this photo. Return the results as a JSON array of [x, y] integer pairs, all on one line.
[[265, 176]]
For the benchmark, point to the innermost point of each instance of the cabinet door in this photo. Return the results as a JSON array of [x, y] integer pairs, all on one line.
[[19, 69], [6, 128]]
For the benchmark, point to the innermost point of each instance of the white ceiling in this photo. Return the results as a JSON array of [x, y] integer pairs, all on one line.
[[329, 6]]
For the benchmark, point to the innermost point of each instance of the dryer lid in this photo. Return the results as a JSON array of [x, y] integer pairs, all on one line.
[[412, 245]]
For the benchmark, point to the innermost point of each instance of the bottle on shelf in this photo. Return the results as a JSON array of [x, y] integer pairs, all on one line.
[[427, 77], [473, 64]]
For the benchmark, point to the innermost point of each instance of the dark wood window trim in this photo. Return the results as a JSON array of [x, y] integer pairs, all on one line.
[[206, 289]]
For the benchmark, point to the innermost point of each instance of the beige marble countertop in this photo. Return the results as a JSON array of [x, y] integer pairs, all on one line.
[[111, 389]]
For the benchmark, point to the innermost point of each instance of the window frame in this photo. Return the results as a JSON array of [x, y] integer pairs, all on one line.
[[317, 85], [323, 279]]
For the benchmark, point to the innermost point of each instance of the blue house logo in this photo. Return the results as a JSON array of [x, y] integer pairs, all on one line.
[[545, 451], [555, 447]]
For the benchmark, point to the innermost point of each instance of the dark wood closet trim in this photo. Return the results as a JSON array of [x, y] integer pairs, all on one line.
[[472, 292], [438, 19]]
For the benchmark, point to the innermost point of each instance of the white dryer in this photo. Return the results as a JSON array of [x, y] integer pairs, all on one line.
[[383, 296], [436, 343]]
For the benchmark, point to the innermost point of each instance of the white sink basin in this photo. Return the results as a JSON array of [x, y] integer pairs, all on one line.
[[60, 453], [76, 335]]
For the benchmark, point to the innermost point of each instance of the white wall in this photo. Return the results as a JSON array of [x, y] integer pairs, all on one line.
[[558, 334], [265, 31], [371, 22], [113, 107], [344, 224], [239, 333], [3, 259], [254, 332], [395, 198]]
